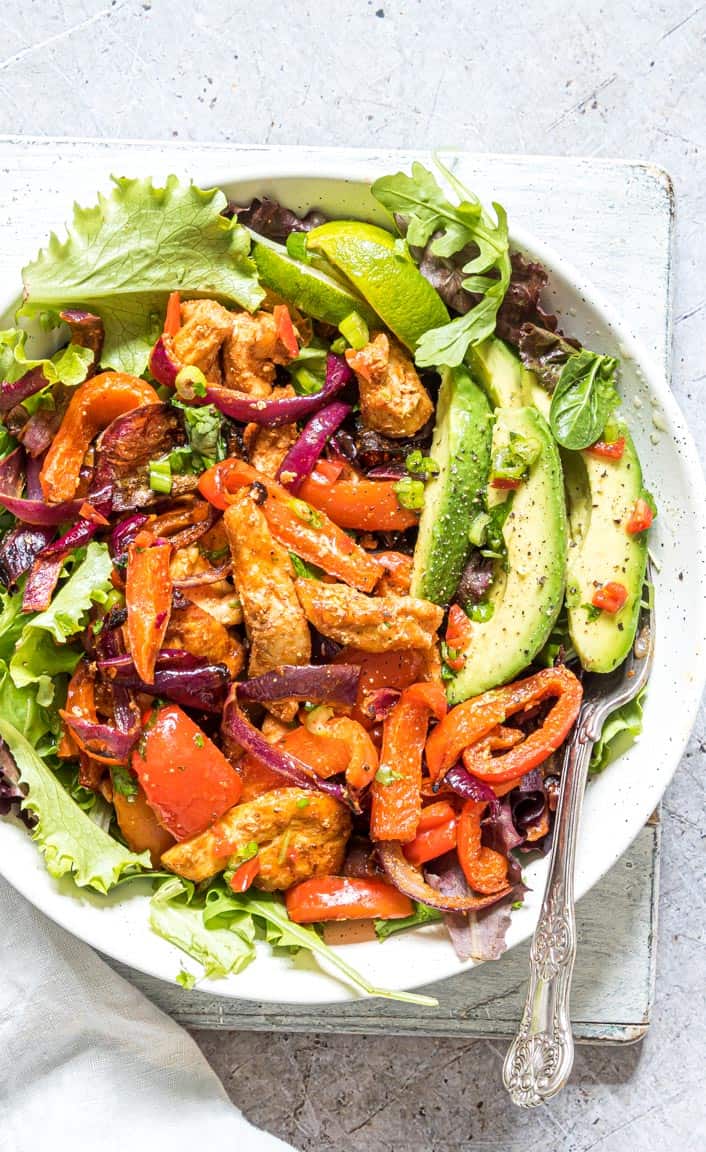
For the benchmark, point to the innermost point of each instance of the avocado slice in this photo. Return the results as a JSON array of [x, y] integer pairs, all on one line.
[[601, 496], [499, 370], [526, 598], [461, 448]]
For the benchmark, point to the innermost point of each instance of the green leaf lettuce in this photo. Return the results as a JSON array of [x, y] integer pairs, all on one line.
[[71, 843], [41, 651], [122, 257]]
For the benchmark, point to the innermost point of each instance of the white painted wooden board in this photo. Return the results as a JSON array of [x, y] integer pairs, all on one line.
[[587, 209]]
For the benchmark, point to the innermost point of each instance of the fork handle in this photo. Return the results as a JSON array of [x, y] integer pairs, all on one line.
[[540, 1057]]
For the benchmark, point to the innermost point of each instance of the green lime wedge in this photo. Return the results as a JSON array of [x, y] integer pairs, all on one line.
[[310, 289], [390, 281]]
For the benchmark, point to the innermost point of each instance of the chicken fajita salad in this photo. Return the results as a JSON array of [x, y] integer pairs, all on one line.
[[311, 528]]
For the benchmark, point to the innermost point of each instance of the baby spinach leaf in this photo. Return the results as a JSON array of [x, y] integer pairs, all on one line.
[[583, 399]]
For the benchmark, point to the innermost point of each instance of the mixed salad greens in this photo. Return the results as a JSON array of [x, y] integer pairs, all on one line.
[[286, 515]]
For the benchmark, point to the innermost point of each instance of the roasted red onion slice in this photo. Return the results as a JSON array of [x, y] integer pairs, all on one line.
[[319, 684], [303, 455], [41, 582], [12, 473], [178, 676], [102, 739], [239, 730], [20, 390], [465, 784], [165, 366], [273, 413], [410, 880], [378, 704], [123, 534]]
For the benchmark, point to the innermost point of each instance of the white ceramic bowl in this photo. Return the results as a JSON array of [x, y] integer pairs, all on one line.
[[617, 803]]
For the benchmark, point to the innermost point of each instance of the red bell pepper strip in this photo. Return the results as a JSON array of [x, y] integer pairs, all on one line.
[[243, 876], [140, 827], [345, 898], [484, 869], [397, 801], [611, 597], [432, 843], [187, 780], [641, 518], [172, 319], [285, 329], [313, 537], [608, 449], [435, 814], [360, 505], [148, 598], [94, 405], [466, 727]]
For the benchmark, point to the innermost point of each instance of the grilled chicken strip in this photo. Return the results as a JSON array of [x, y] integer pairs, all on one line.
[[372, 623], [204, 326], [295, 840], [267, 447], [218, 598], [263, 574], [393, 399], [250, 353], [199, 633]]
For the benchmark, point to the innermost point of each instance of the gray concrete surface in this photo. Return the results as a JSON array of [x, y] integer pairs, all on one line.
[[624, 79]]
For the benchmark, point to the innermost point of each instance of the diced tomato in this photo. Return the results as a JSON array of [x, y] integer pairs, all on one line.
[[505, 483], [611, 597], [608, 449], [458, 629], [641, 518]]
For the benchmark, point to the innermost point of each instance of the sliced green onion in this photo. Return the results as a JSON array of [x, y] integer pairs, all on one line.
[[190, 382], [410, 493], [480, 613], [355, 330], [160, 476], [478, 531]]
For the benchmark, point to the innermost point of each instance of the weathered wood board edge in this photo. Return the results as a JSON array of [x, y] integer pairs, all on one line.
[[613, 986]]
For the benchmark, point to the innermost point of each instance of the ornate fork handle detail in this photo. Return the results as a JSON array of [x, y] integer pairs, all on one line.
[[541, 1056]]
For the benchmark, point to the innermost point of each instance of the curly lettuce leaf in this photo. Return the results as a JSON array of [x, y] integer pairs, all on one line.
[[12, 621], [21, 708], [620, 730], [122, 258], [71, 843], [69, 366], [270, 914], [41, 652], [220, 950]]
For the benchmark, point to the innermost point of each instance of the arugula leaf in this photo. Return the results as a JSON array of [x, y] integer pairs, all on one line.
[[619, 731], [69, 366], [428, 212], [41, 652], [268, 910], [421, 915], [220, 950], [583, 399], [71, 843], [122, 258]]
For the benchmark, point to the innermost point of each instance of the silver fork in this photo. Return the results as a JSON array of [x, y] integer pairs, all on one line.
[[540, 1058]]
